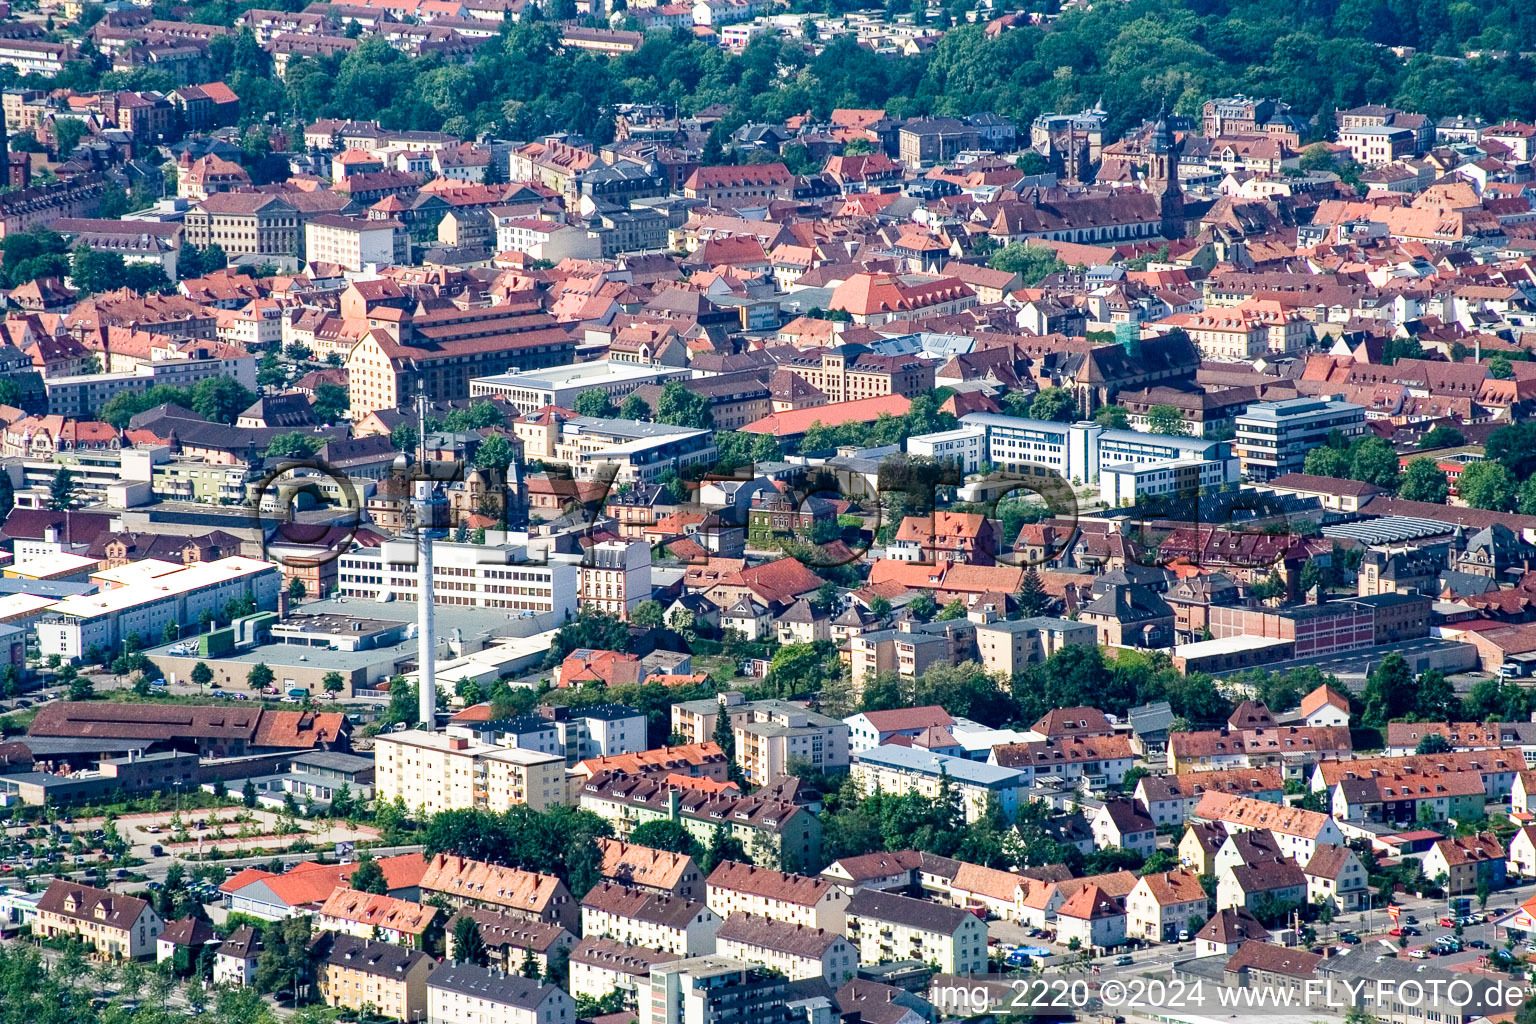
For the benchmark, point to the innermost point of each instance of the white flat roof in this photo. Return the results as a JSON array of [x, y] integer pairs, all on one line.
[[137, 572], [186, 579], [1226, 645], [15, 605], [52, 564], [598, 372]]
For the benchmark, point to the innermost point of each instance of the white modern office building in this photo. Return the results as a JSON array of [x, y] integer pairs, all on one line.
[[966, 446], [1273, 438], [559, 385], [143, 597], [1078, 451], [507, 576]]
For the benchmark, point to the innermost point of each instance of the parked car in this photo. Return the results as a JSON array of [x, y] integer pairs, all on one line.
[[1349, 938], [1420, 954], [1478, 944]]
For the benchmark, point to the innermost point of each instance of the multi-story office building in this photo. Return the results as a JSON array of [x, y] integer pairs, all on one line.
[[468, 575], [1273, 438], [636, 452], [444, 771], [1078, 451], [965, 446]]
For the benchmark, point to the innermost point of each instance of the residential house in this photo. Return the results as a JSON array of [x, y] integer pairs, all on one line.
[[639, 918], [1335, 874], [1277, 882], [1468, 863], [1227, 930], [1163, 905], [392, 980], [528, 894], [465, 993], [798, 951], [1172, 799], [1093, 918], [1296, 830], [600, 966], [659, 871], [736, 888], [111, 923], [1121, 824], [234, 962]]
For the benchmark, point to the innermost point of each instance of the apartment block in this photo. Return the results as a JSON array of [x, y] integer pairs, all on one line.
[[443, 771], [886, 928], [736, 888]]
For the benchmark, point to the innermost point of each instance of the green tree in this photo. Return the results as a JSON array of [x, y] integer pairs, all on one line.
[[634, 408], [1053, 403], [594, 402], [296, 589], [1500, 369], [287, 962], [96, 271], [1113, 417], [680, 407], [368, 876], [61, 491], [1435, 698], [333, 682], [1388, 692], [1423, 480], [495, 453], [1033, 598], [67, 133], [292, 445], [1327, 461], [260, 676], [468, 944], [1486, 485], [1373, 461], [1031, 262], [1432, 743], [331, 400], [1166, 419], [221, 399], [667, 835], [647, 613], [1442, 437], [202, 675]]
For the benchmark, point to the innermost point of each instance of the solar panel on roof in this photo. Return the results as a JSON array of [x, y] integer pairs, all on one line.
[[1386, 529]]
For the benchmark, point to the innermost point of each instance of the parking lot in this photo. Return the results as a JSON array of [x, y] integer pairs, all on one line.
[[75, 844]]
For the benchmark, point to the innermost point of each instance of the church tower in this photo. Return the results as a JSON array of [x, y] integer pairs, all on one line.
[[1163, 149]]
